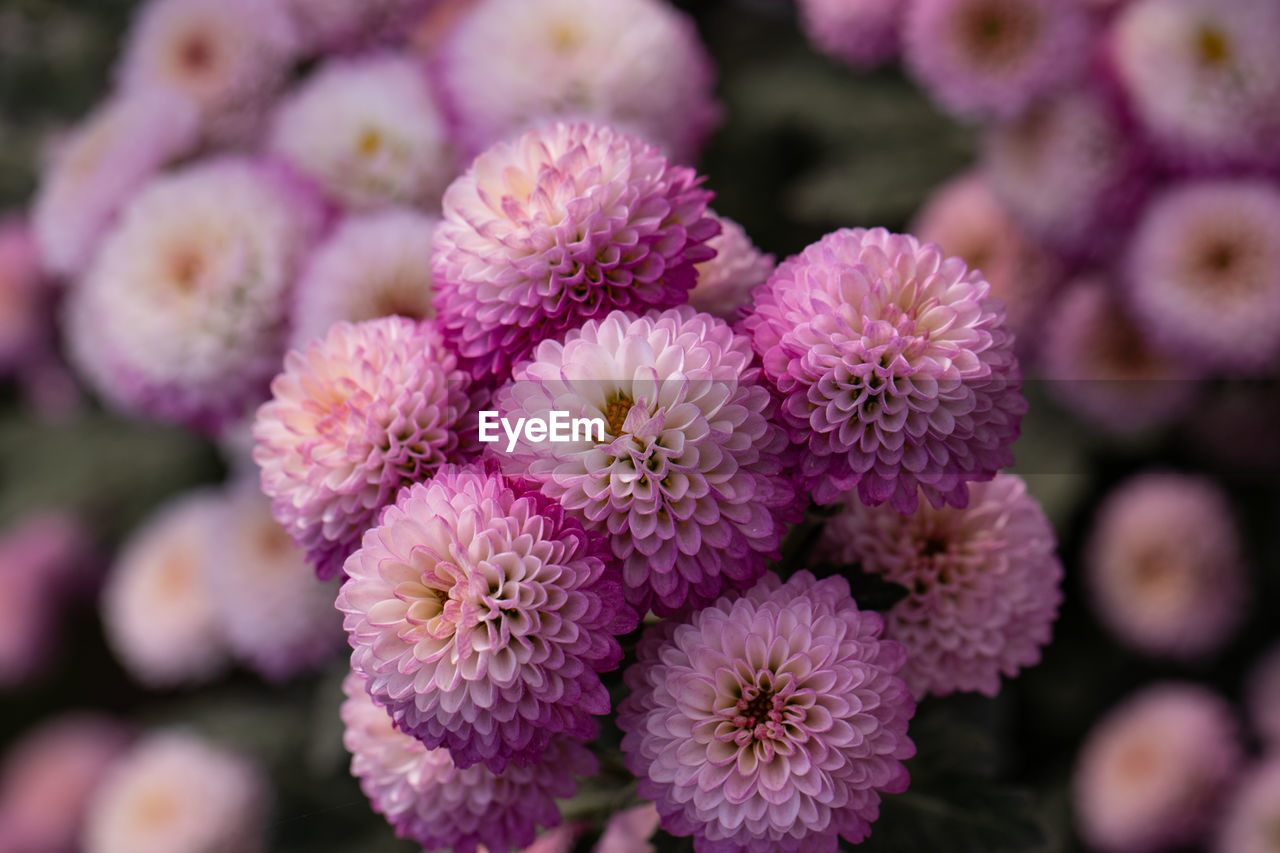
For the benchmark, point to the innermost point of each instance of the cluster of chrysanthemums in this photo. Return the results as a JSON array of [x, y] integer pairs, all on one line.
[[330, 235]]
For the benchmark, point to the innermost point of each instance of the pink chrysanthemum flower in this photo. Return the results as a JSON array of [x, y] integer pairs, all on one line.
[[1152, 773], [1202, 76], [273, 614], [725, 282], [635, 64], [1203, 272], [992, 58], [861, 33], [358, 414], [100, 165], [1101, 368], [1165, 566], [156, 606], [558, 227], [25, 298], [341, 25], [895, 366], [368, 131], [983, 583], [429, 799], [1262, 697], [48, 777], [629, 831], [770, 721], [482, 614], [965, 219], [182, 314], [1251, 822], [227, 56], [176, 792], [373, 265], [687, 482], [1069, 171]]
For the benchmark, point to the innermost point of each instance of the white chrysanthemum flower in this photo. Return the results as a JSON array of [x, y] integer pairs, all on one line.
[[368, 130], [634, 64], [725, 282], [373, 265], [275, 615], [100, 165], [229, 56], [156, 606], [181, 316], [176, 793]]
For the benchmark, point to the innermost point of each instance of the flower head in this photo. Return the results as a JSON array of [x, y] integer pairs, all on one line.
[[373, 265], [1202, 76], [629, 831], [429, 799], [895, 367], [687, 480], [181, 316], [156, 607], [48, 777], [725, 282], [983, 583], [270, 609], [558, 227], [1152, 773], [1203, 272], [861, 33], [1165, 566], [1069, 171], [965, 219], [992, 58], [1252, 816], [634, 64], [98, 168], [1100, 367], [358, 414], [174, 791], [226, 56], [368, 131], [481, 615], [770, 721]]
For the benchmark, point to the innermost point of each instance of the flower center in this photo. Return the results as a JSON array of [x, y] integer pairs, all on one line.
[[186, 266], [995, 34], [1212, 46], [369, 142], [616, 409], [933, 546], [195, 54]]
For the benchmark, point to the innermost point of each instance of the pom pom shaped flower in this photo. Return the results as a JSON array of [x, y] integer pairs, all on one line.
[[1203, 273], [1262, 697], [272, 613], [683, 469], [1101, 367], [368, 131], [48, 778], [156, 607], [770, 721], [1252, 814], [482, 614], [992, 58], [1202, 76], [373, 265], [227, 56], [983, 583], [965, 219], [1069, 171], [25, 300], [634, 64], [181, 316], [895, 367], [558, 227], [1152, 773], [725, 282], [429, 799], [1165, 566], [861, 33], [357, 415], [174, 791], [100, 165]]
